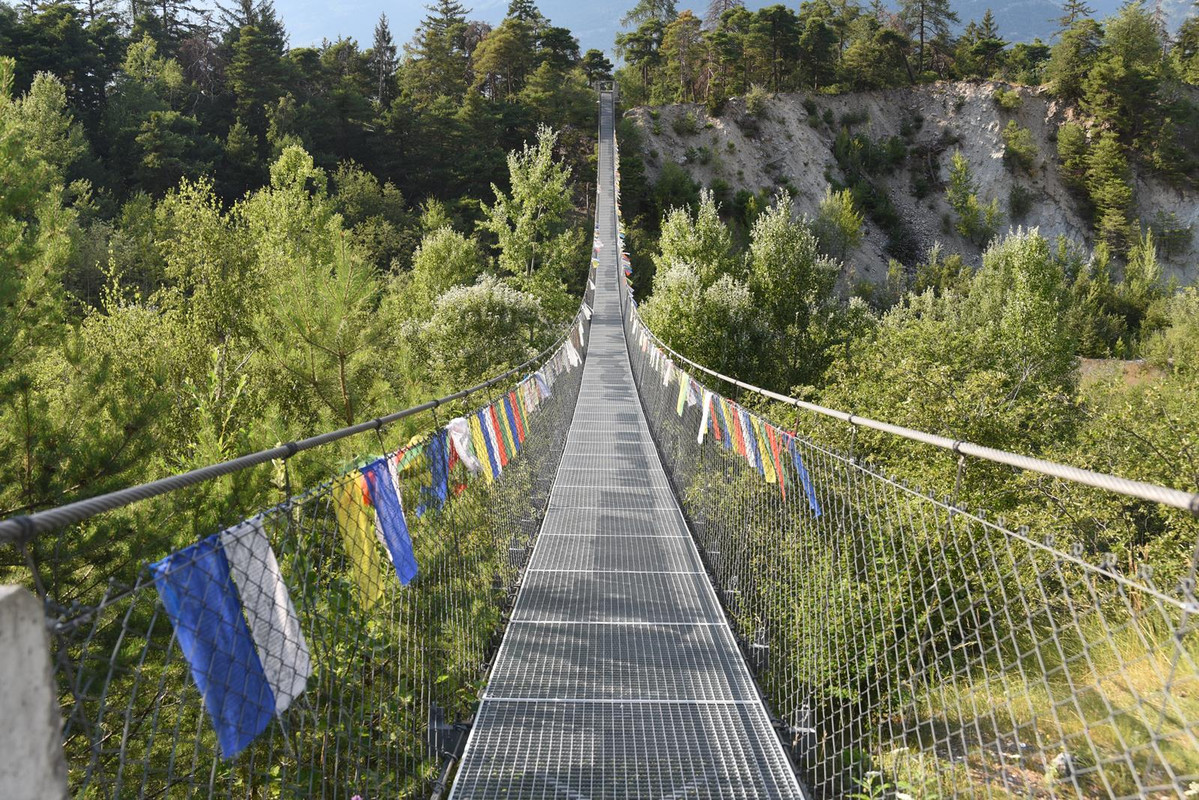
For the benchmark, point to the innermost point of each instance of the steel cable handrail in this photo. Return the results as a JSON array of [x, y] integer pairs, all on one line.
[[1175, 498], [15, 530]]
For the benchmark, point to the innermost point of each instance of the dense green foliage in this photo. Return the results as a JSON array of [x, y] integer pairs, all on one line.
[[209, 246], [211, 243], [1118, 68]]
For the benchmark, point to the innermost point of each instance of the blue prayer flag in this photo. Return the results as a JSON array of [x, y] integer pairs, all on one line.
[[751, 441], [434, 494], [202, 602], [813, 502], [389, 516], [511, 422]]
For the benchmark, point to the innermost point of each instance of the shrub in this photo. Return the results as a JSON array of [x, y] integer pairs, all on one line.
[[920, 186], [809, 105], [746, 208], [721, 191], [910, 126], [1173, 238], [851, 118], [755, 100], [686, 124], [1007, 99], [838, 224], [828, 116], [977, 221], [1018, 148], [1019, 202], [675, 189]]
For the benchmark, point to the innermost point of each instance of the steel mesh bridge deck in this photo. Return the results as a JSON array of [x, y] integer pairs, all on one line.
[[618, 676]]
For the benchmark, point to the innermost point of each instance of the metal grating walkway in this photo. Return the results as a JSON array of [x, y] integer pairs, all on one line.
[[618, 676]]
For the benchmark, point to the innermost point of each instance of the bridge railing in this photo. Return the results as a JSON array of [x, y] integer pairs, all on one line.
[[911, 647], [321, 647]]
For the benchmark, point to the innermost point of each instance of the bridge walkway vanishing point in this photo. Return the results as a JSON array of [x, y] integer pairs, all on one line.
[[618, 675]]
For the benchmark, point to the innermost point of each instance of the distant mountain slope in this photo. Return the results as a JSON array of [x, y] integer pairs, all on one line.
[[785, 145]]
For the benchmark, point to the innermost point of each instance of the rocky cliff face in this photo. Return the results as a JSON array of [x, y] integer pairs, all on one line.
[[790, 142]]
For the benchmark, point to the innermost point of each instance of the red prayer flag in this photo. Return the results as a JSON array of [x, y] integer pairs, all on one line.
[[772, 435], [499, 436]]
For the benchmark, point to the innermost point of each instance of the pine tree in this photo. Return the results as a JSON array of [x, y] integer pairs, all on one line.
[[444, 18], [774, 40], [440, 59], [988, 44], [642, 49], [1072, 58], [683, 52], [1073, 11], [928, 19], [1110, 190], [526, 11], [95, 10], [716, 9], [502, 60], [558, 47], [650, 10], [383, 61], [167, 21], [255, 77], [596, 66], [259, 13]]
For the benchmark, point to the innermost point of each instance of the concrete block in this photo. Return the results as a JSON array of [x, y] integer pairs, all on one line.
[[32, 764]]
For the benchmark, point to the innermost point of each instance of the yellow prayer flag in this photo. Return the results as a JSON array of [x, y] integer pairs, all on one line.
[[480, 445], [356, 522], [764, 451]]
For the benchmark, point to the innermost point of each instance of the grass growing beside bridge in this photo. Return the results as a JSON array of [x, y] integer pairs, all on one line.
[[1120, 702]]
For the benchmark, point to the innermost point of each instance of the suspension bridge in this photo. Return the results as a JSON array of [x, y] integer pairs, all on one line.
[[595, 576]]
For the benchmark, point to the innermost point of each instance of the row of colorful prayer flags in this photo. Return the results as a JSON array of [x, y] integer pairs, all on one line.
[[226, 598], [770, 450], [773, 452]]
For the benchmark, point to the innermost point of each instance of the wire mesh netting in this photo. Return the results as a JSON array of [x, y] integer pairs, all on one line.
[[301, 652], [911, 647]]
